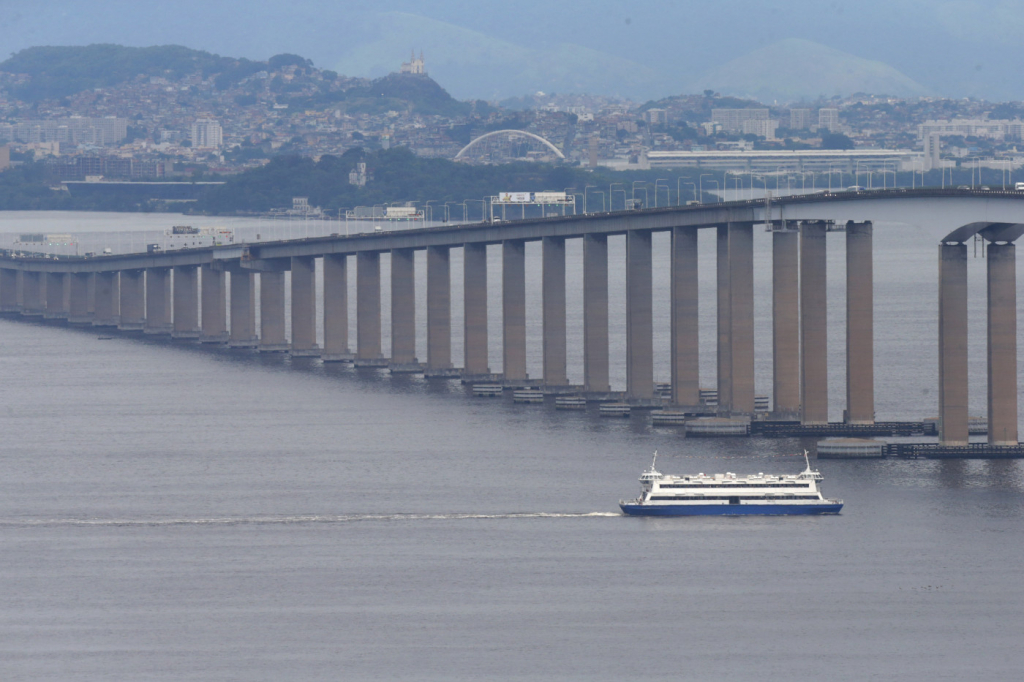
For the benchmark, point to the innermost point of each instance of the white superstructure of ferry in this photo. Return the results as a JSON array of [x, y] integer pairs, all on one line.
[[730, 494]]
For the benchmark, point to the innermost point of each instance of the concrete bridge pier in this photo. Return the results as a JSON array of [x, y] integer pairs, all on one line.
[[32, 303], [78, 298], [439, 313], [736, 318], [272, 328], [639, 320], [243, 309], [368, 339], [9, 291], [304, 308], [186, 302], [133, 300], [860, 348], [513, 304], [595, 313], [336, 309], [685, 324], [403, 312], [953, 344], [474, 275], [813, 323], [553, 310], [785, 324], [214, 327], [56, 296], [1002, 344], [107, 300], [158, 301]]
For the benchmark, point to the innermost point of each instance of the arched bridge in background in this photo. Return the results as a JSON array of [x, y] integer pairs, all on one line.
[[160, 293], [509, 133]]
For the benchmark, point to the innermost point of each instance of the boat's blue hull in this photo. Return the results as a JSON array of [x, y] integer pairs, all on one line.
[[728, 509]]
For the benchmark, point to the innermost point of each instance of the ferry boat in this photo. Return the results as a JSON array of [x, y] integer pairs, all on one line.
[[728, 494]]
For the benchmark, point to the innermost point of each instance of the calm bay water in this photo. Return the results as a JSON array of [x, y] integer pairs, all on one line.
[[175, 512]]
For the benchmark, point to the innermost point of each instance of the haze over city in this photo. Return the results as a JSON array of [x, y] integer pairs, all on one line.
[[479, 50]]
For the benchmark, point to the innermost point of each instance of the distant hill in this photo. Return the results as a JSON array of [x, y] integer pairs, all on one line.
[[793, 70], [61, 71], [422, 93], [56, 72]]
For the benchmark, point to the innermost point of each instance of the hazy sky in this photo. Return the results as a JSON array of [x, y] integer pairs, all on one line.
[[955, 48]]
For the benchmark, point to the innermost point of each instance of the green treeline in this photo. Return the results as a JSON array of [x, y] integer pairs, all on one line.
[[399, 175]]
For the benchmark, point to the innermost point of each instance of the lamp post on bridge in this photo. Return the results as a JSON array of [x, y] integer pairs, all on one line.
[[700, 182], [739, 184], [718, 188], [644, 188], [694, 186], [611, 195], [430, 209], [585, 188], [568, 193], [668, 192], [447, 211]]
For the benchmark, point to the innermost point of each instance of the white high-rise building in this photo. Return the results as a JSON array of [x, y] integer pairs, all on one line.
[[932, 149], [828, 119], [207, 134]]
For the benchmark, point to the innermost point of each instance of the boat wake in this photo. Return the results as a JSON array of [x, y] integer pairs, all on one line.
[[302, 519]]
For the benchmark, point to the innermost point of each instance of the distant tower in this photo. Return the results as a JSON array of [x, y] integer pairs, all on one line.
[[416, 66]]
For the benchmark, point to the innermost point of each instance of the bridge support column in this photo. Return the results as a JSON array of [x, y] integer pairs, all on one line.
[[133, 300], [813, 324], [860, 345], [736, 318], [439, 312], [91, 297], [214, 323], [56, 296], [685, 332], [272, 331], [106, 300], [474, 292], [553, 304], [639, 321], [31, 293], [1002, 344], [304, 307], [953, 344], [513, 300], [403, 311], [368, 351], [243, 310], [186, 302], [78, 303], [595, 313], [785, 324], [723, 361], [9, 291], [336, 309], [158, 301]]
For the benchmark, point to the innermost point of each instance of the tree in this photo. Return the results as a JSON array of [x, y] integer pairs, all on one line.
[[836, 141]]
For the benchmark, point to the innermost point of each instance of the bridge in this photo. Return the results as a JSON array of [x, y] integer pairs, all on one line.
[[163, 293]]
